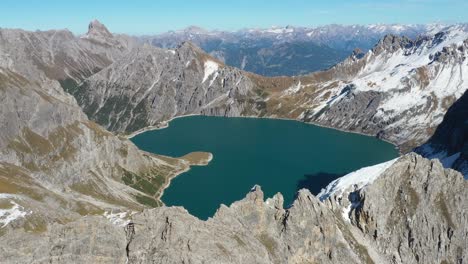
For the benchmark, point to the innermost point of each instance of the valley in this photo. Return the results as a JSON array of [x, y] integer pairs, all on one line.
[[82, 173]]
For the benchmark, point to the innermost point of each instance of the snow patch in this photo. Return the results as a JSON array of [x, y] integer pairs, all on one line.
[[210, 68], [293, 89], [214, 78], [346, 211], [11, 214], [118, 219], [359, 178]]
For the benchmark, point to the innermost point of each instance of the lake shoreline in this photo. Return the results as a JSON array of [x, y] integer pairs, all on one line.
[[206, 159], [186, 169], [166, 125], [162, 125]]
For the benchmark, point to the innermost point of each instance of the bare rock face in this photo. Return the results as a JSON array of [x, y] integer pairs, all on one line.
[[249, 231], [151, 85], [88, 240], [98, 30], [414, 212], [55, 164], [421, 216]]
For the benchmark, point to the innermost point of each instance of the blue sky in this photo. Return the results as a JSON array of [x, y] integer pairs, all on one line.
[[146, 17]]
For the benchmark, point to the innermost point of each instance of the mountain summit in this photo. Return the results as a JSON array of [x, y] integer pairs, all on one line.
[[99, 33], [96, 28]]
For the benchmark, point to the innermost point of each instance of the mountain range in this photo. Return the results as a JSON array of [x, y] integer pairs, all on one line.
[[287, 50], [73, 188]]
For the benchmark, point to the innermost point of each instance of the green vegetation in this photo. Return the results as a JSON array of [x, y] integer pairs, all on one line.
[[92, 189], [148, 201], [142, 184], [69, 85], [149, 183]]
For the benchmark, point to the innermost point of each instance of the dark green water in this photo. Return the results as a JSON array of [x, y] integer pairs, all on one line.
[[281, 156]]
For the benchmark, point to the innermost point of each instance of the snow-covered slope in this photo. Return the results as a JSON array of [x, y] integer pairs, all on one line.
[[400, 90], [354, 180]]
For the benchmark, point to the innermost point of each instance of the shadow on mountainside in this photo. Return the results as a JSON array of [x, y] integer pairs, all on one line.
[[315, 182]]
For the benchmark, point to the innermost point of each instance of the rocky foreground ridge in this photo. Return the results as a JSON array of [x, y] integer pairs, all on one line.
[[415, 211]]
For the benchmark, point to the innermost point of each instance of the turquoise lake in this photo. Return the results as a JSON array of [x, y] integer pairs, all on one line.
[[279, 155]]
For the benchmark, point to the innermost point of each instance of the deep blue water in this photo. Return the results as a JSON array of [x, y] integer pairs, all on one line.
[[280, 155]]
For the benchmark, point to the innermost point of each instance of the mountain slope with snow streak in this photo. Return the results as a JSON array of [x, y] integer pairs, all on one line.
[[400, 90]]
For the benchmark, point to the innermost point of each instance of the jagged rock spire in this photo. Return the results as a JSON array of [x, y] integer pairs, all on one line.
[[98, 32]]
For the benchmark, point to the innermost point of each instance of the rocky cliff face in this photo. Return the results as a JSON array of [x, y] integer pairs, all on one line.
[[150, 85], [414, 211], [55, 164]]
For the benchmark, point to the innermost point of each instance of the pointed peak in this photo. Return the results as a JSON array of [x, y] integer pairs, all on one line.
[[392, 43], [358, 53], [96, 28], [188, 45]]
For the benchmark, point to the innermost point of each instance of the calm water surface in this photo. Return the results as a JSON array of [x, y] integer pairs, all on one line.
[[281, 156]]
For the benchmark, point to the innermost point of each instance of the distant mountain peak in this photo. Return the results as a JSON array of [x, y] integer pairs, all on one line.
[[97, 29], [195, 30], [392, 43]]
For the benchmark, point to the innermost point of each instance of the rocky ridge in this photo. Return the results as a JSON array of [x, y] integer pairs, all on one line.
[[413, 212], [55, 164]]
